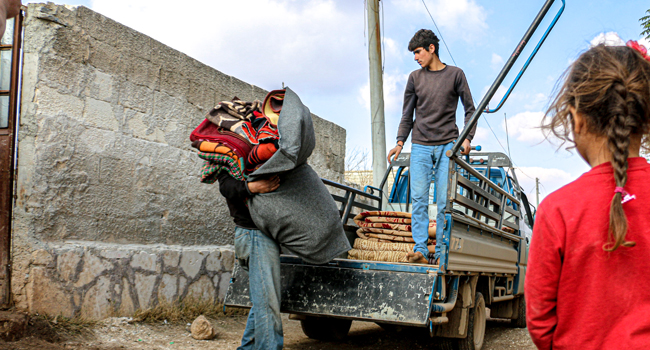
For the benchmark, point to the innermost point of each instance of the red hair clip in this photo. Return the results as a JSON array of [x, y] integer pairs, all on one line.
[[639, 48]]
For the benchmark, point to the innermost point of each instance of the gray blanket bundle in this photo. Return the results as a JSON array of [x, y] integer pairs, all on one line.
[[300, 215]]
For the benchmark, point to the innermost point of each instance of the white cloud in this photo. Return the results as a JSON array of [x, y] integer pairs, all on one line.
[[551, 179], [571, 60], [609, 39], [318, 45], [465, 19], [482, 135], [497, 61], [645, 42], [393, 53], [536, 101], [525, 127], [393, 93], [498, 95]]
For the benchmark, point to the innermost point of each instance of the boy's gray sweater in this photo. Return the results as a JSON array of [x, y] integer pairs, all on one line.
[[433, 95]]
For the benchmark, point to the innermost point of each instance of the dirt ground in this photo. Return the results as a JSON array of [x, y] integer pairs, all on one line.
[[118, 333]]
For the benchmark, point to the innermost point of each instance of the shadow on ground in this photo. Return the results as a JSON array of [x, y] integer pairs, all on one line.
[[364, 335], [112, 334]]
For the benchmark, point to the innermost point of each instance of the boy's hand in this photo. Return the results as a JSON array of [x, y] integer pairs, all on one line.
[[395, 151], [264, 186], [466, 147]]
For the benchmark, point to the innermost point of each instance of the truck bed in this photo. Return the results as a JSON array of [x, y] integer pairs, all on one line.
[[351, 289]]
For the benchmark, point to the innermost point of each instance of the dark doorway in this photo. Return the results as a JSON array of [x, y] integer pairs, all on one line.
[[10, 56]]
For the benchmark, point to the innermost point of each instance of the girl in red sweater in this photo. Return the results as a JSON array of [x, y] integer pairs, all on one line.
[[588, 279]]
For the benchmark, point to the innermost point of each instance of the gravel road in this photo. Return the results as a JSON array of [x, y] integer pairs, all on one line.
[[117, 333]]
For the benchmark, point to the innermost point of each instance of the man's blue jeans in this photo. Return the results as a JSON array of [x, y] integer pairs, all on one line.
[[260, 256], [425, 161]]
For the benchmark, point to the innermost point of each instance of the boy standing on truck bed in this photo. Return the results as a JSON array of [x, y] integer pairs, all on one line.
[[260, 256], [432, 92]]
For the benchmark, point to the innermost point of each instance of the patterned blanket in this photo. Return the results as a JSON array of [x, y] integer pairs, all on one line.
[[265, 130], [236, 116], [207, 131], [237, 120], [260, 154], [389, 222], [398, 214], [272, 105], [216, 162], [215, 147], [387, 219], [267, 137], [386, 232], [384, 225]]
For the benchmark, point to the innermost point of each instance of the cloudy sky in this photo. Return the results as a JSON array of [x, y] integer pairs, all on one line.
[[319, 49]]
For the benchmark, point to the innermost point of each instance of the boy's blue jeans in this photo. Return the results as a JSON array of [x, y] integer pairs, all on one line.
[[425, 161], [260, 256]]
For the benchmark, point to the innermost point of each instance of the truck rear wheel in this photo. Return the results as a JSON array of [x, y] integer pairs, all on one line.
[[520, 321], [325, 328], [475, 326]]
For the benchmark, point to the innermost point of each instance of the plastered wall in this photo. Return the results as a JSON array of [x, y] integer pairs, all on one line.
[[106, 172]]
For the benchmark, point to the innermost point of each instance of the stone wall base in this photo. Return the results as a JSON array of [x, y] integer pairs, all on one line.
[[97, 280]]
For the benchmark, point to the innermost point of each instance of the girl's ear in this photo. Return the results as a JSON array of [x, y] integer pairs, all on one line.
[[578, 121]]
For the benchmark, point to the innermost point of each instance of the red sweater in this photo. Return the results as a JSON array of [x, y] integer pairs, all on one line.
[[579, 296]]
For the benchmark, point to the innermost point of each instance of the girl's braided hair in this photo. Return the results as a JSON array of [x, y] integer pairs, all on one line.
[[610, 87]]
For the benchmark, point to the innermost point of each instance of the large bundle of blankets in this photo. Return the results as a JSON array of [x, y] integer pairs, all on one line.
[[238, 137], [253, 141], [386, 236]]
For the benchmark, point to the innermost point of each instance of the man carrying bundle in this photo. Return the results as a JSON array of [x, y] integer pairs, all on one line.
[[260, 256]]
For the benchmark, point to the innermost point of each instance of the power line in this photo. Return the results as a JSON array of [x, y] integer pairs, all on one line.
[[495, 135], [504, 149], [543, 186], [505, 120], [486, 121], [452, 58], [528, 176], [439, 32]]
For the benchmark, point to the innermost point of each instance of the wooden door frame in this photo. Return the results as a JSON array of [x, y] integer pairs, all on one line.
[[7, 165]]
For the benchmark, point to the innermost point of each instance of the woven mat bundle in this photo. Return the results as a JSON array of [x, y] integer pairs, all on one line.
[[388, 226], [385, 236], [364, 249]]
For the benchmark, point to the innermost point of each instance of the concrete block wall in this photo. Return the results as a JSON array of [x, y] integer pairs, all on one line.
[[104, 155], [95, 280]]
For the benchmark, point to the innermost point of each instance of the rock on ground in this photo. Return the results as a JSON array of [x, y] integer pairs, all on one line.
[[202, 329]]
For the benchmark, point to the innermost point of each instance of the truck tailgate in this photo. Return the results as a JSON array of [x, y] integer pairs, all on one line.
[[353, 289]]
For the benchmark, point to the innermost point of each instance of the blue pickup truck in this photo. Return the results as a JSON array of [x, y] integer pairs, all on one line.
[[487, 220]]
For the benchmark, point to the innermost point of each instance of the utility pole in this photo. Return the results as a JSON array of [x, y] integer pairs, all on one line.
[[537, 190], [376, 94]]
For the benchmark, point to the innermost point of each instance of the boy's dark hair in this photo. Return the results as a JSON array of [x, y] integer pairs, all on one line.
[[423, 38], [610, 87]]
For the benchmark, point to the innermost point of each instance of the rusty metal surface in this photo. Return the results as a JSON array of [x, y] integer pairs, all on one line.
[[7, 139], [369, 295]]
